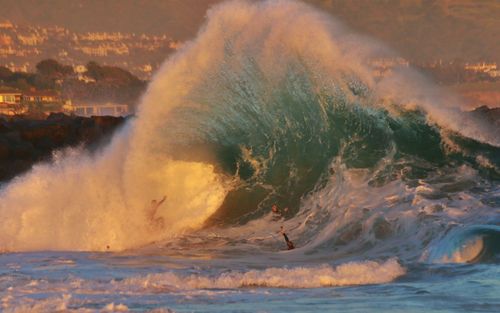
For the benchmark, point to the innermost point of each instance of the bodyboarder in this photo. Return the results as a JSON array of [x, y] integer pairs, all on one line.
[[289, 244], [156, 222]]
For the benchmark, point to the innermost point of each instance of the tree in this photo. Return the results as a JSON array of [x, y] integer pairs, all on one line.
[[94, 70], [22, 84], [52, 69], [5, 73], [111, 74]]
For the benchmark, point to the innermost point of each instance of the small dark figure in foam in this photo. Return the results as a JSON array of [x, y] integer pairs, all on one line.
[[289, 244]]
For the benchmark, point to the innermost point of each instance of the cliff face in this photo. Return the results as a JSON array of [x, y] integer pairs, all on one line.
[[24, 142]]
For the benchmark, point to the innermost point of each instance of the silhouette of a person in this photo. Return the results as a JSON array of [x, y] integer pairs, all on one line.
[[156, 222]]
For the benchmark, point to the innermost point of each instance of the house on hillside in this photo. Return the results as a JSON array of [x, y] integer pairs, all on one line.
[[40, 96], [87, 110], [46, 101], [10, 96], [10, 102]]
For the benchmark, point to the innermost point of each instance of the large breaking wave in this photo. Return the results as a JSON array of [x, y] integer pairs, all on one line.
[[273, 102]]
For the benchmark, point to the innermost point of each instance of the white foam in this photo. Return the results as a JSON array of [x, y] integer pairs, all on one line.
[[485, 162], [352, 273], [56, 304], [108, 295], [64, 304], [84, 203], [112, 307]]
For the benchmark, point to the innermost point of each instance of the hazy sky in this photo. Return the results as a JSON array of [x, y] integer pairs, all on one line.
[[419, 29]]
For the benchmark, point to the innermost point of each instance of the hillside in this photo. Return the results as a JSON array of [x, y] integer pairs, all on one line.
[[178, 18], [419, 30], [426, 30]]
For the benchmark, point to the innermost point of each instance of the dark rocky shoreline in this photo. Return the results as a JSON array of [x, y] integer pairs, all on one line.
[[24, 141], [490, 116]]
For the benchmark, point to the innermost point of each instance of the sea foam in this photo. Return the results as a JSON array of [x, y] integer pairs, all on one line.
[[351, 273]]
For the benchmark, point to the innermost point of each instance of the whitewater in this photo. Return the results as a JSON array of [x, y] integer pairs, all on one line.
[[388, 189]]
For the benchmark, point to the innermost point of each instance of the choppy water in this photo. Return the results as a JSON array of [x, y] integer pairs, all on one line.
[[391, 191], [100, 282]]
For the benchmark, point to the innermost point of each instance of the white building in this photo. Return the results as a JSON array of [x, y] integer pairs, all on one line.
[[108, 109], [10, 102], [481, 67], [494, 74]]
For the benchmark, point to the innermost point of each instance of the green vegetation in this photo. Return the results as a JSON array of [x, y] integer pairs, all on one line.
[[52, 69]]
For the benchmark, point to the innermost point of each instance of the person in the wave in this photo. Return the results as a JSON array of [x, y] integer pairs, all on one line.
[[277, 213], [289, 244], [156, 222]]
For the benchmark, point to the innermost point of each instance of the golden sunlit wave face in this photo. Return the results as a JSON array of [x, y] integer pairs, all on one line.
[[95, 214]]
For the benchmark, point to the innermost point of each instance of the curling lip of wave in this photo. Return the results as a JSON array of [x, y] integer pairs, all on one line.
[[468, 244]]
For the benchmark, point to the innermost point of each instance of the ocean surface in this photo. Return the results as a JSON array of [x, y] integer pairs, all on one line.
[[388, 190], [107, 282]]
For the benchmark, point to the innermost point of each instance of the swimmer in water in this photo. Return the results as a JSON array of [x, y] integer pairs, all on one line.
[[156, 222], [289, 244]]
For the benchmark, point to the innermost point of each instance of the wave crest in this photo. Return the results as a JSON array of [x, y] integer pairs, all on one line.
[[351, 273]]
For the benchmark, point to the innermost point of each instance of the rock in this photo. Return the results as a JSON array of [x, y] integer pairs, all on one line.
[[24, 142], [58, 117], [107, 122], [4, 126], [4, 149], [58, 133], [24, 150], [488, 115]]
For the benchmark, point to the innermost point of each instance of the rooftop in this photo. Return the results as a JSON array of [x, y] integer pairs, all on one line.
[[9, 90], [40, 93]]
